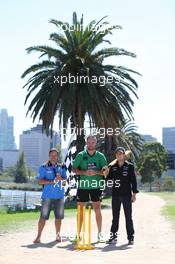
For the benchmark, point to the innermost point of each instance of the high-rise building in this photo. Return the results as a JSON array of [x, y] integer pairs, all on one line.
[[36, 146], [168, 136], [7, 140], [55, 140]]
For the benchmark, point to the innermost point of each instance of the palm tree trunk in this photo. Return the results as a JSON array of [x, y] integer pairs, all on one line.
[[79, 123], [110, 145], [80, 142]]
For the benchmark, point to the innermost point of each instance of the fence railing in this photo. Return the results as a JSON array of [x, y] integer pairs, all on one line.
[[22, 200]]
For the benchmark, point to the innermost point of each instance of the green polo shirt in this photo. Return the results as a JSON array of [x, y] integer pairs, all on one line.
[[84, 161]]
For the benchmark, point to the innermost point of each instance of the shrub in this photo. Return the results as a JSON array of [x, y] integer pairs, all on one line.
[[168, 184]]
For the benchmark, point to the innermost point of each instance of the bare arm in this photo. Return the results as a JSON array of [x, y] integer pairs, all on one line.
[[45, 182], [80, 172], [134, 185], [58, 178]]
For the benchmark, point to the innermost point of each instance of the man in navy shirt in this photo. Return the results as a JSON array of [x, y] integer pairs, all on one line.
[[52, 176], [124, 190]]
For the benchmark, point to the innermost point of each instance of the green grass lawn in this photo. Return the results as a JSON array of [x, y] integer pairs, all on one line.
[[12, 222], [17, 221], [169, 209], [21, 221], [106, 200]]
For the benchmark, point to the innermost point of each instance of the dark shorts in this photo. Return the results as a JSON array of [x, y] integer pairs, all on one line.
[[56, 204], [85, 195]]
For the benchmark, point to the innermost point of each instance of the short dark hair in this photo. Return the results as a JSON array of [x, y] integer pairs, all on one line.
[[91, 136], [53, 149]]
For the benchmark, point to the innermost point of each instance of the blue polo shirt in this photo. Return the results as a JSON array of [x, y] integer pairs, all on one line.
[[48, 172]]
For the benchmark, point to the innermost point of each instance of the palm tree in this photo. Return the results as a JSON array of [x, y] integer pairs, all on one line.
[[128, 137], [77, 53]]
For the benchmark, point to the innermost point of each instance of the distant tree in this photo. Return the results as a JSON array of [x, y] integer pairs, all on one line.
[[21, 172], [168, 184], [31, 173], [152, 162], [150, 169], [9, 172]]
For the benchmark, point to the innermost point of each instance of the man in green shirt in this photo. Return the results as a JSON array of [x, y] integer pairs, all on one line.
[[91, 165]]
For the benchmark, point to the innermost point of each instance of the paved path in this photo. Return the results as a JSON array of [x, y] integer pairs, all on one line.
[[154, 241]]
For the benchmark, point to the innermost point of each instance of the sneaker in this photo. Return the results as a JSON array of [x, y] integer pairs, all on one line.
[[131, 242], [74, 239], [112, 240], [101, 238], [58, 238]]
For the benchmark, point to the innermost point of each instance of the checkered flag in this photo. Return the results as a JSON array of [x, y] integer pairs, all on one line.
[[68, 163], [68, 166]]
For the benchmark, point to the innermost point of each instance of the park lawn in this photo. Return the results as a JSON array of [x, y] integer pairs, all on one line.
[[107, 200], [12, 222], [169, 208], [23, 220]]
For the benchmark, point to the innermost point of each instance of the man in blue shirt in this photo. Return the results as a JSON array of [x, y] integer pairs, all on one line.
[[53, 177]]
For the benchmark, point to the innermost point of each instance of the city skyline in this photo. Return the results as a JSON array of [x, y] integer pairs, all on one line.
[[147, 137], [153, 44]]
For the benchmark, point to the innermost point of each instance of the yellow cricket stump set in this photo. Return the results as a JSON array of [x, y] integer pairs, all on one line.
[[83, 245]]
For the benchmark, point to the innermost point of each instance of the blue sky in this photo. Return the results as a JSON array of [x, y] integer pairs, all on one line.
[[148, 30]]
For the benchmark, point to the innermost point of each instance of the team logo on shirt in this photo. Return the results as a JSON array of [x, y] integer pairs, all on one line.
[[125, 171], [48, 170], [92, 166]]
